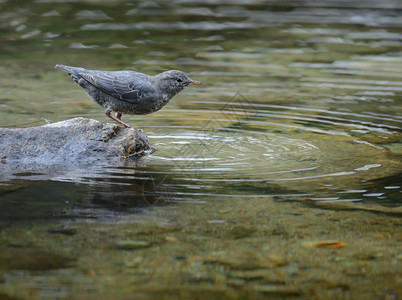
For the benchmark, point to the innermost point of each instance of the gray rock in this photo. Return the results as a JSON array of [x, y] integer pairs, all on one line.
[[77, 145]]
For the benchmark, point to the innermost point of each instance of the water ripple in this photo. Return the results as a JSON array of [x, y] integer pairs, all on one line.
[[301, 99]]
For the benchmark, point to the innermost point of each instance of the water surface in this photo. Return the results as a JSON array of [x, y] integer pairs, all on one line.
[[300, 108]]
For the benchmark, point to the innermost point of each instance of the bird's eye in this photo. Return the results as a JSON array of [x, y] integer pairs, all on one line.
[[179, 80]]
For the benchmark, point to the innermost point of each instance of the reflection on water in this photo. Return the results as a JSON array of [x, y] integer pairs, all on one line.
[[301, 104], [26, 200]]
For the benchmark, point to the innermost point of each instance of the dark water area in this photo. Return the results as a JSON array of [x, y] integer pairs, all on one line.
[[294, 139]]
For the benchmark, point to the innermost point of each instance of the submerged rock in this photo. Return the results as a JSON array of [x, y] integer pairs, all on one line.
[[132, 244], [32, 259], [75, 144]]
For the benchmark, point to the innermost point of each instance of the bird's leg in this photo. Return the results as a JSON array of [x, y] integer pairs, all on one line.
[[118, 116], [117, 119]]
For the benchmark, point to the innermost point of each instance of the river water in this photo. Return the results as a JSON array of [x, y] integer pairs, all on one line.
[[300, 115]]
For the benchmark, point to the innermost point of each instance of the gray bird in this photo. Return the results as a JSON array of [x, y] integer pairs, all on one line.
[[129, 92]]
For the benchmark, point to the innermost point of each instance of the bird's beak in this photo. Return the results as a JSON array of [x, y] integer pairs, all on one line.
[[195, 82]]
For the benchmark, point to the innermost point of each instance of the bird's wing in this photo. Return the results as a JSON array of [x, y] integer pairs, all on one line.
[[124, 85]]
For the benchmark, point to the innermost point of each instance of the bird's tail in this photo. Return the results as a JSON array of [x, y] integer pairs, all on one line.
[[70, 70]]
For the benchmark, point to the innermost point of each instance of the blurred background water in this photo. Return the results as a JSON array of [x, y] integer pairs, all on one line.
[[301, 102]]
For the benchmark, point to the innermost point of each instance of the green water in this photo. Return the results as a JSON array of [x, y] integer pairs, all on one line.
[[294, 138]]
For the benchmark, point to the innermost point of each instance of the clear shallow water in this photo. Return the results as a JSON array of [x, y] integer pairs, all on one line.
[[301, 102]]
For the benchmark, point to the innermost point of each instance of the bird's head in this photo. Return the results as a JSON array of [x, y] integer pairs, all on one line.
[[174, 81]]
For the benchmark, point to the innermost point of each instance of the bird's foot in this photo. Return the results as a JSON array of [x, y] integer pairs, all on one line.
[[118, 120], [125, 125]]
